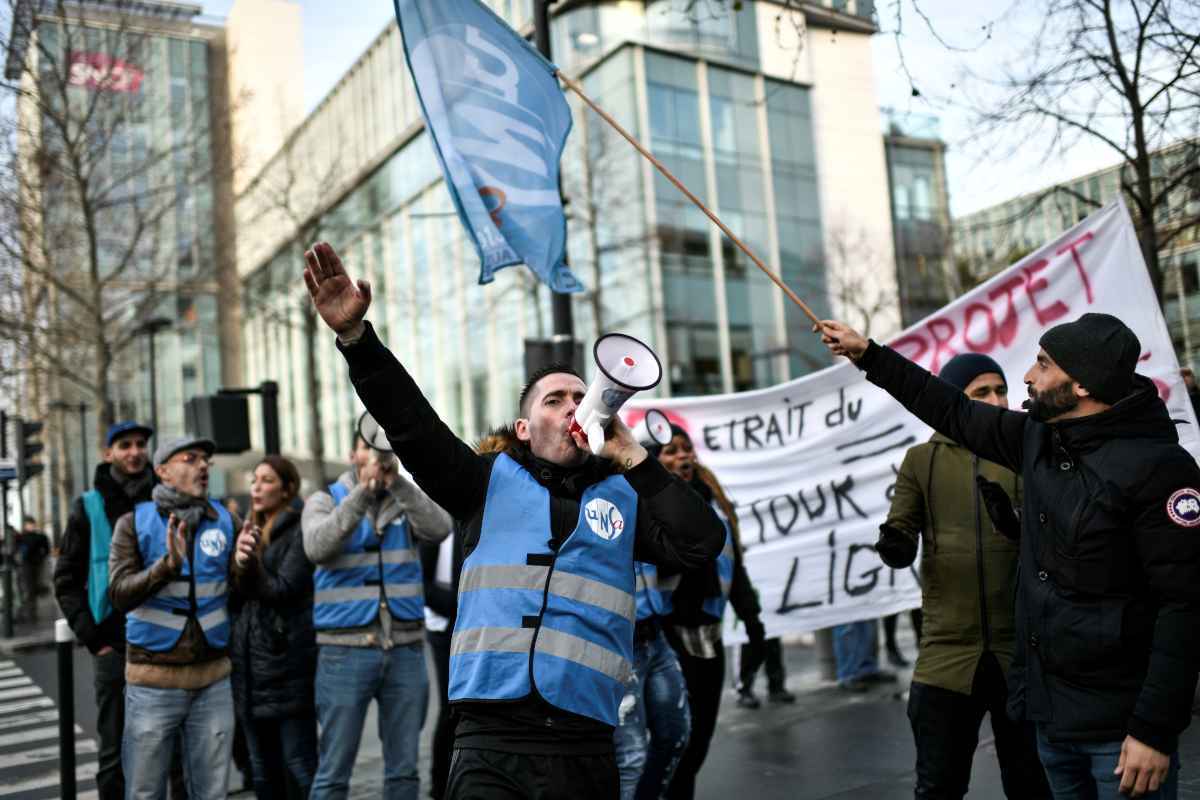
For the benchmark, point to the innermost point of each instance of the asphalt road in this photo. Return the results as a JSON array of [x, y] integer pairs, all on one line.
[[827, 745]]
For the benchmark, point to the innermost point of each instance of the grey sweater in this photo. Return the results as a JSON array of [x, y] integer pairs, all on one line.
[[326, 526]]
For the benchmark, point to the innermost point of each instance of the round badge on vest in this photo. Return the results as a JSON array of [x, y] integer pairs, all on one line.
[[604, 518], [212, 543]]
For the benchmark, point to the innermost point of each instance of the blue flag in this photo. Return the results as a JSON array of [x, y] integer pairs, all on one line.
[[499, 123]]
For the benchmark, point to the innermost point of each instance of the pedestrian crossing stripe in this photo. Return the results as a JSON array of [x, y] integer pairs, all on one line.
[[29, 750]]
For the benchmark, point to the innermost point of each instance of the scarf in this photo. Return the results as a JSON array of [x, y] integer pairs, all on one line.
[[191, 510], [132, 485]]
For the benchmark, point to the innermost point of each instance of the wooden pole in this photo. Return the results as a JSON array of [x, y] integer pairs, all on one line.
[[577, 89]]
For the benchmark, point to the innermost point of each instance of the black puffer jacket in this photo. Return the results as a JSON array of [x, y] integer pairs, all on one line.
[[1108, 601], [273, 645]]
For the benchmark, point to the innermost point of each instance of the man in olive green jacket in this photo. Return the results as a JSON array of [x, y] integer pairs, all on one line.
[[968, 583]]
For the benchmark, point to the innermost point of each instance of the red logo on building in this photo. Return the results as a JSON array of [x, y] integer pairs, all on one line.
[[101, 71]]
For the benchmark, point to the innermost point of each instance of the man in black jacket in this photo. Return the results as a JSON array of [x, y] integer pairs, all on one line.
[[1108, 602], [122, 480], [543, 728]]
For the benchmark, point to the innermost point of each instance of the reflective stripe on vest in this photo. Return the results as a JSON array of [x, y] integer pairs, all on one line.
[[157, 623], [716, 605], [654, 594], [101, 543], [530, 619], [348, 591]]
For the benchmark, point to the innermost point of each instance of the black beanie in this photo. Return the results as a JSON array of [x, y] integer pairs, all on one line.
[[966, 367], [1098, 351]]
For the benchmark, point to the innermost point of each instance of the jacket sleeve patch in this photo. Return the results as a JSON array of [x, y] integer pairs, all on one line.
[[1183, 508]]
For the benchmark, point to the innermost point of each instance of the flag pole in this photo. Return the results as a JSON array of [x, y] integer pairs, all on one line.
[[577, 89]]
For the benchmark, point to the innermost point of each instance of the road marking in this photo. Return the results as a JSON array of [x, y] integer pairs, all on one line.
[[25, 705], [29, 734], [24, 758], [50, 715], [10, 673], [25, 691], [83, 772]]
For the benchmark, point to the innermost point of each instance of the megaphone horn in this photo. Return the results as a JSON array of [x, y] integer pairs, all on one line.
[[654, 429], [625, 366]]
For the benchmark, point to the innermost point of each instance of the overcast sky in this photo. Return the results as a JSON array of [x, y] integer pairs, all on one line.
[[335, 34]]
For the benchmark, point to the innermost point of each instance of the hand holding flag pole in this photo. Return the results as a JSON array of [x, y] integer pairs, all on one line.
[[574, 86]]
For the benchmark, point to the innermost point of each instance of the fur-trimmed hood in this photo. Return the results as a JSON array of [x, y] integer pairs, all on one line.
[[502, 440]]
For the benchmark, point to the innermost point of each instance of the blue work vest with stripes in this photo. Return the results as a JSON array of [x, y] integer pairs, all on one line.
[[530, 619], [654, 594], [349, 591], [100, 544], [198, 592], [715, 605]]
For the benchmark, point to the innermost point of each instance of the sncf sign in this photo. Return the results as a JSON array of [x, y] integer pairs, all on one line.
[[103, 72]]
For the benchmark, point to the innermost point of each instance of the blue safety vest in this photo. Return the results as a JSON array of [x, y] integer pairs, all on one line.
[[100, 544], [371, 569], [715, 605], [531, 619], [199, 591], [654, 594]]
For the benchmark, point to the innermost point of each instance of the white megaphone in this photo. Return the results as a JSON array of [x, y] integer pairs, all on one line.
[[654, 428], [625, 366], [372, 433]]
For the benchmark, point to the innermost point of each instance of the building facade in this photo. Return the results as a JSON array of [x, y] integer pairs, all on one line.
[[991, 239], [916, 157], [768, 113]]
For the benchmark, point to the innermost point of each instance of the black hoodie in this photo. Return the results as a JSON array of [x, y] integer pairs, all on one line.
[[74, 563], [1108, 602]]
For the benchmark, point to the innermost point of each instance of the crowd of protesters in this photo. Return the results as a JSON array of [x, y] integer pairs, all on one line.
[[562, 649]]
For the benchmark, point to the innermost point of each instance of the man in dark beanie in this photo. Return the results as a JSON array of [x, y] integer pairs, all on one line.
[[1108, 599], [968, 578]]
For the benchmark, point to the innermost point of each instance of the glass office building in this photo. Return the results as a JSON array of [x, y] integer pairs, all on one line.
[[725, 116]]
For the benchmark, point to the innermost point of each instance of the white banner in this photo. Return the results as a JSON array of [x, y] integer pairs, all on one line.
[[811, 463]]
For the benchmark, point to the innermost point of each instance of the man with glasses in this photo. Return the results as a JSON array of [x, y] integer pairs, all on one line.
[[169, 572]]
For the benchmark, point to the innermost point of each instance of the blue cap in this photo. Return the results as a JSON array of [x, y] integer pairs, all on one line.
[[119, 429]]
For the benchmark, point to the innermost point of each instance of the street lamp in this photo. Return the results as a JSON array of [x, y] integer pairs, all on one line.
[[149, 328]]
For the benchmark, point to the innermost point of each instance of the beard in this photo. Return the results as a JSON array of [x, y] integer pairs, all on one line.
[[1053, 402]]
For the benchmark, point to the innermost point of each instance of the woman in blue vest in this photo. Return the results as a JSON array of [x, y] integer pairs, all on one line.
[[699, 608], [544, 637], [274, 648]]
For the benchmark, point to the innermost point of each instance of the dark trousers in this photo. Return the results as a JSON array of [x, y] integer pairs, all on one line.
[[283, 756], [705, 679], [109, 683], [946, 730], [772, 659], [443, 731], [491, 775]]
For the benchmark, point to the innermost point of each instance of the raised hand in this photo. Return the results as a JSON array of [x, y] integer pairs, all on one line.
[[841, 339], [176, 542], [341, 302], [247, 543]]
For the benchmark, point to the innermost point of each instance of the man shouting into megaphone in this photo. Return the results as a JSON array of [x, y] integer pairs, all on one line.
[[544, 637]]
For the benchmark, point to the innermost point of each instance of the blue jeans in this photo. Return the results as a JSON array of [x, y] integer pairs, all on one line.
[[656, 701], [854, 649], [154, 718], [348, 678], [1084, 771]]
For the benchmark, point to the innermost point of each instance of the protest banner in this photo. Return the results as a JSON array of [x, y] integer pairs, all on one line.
[[811, 463]]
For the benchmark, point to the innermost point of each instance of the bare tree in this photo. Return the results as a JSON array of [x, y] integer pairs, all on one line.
[[1126, 76], [96, 205], [860, 298]]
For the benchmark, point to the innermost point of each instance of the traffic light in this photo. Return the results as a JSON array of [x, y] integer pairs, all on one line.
[[28, 447]]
